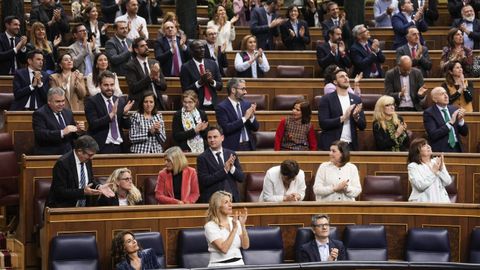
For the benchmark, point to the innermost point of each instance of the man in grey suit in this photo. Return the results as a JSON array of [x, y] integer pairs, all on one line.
[[417, 51], [119, 48], [405, 84], [82, 50]]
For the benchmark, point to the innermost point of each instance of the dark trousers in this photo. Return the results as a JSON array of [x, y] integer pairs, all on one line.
[[111, 149]]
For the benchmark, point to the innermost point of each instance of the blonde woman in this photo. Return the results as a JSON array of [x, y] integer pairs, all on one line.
[[389, 129], [39, 41], [250, 62], [225, 234], [121, 183], [224, 27], [177, 183]]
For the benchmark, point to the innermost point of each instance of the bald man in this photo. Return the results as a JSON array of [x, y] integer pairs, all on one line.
[[405, 84], [444, 123]]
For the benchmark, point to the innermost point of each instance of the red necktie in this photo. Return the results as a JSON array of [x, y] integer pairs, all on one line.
[[373, 68], [414, 53], [208, 95]]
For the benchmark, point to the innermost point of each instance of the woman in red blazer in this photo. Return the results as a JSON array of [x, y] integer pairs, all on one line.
[[177, 183]]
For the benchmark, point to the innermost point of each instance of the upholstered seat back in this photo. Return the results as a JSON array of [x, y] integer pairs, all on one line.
[[192, 248], [253, 186], [382, 188], [285, 102], [286, 71], [41, 190], [266, 246], [305, 235], [154, 241], [259, 99], [474, 252], [365, 243], [149, 186], [427, 245], [265, 140], [69, 252], [9, 172]]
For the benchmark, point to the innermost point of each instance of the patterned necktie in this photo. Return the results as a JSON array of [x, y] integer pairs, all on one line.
[[175, 63], [206, 89], [83, 181], [125, 48], [12, 45], [373, 67], [60, 120], [451, 135], [219, 158], [113, 122], [414, 53], [239, 115]]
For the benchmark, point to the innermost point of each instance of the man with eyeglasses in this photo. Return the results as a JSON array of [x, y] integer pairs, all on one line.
[[73, 182], [213, 52], [323, 248], [83, 50], [365, 53]]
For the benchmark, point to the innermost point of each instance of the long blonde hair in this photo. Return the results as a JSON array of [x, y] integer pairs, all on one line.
[[178, 159], [39, 44], [133, 196], [379, 112], [213, 212]]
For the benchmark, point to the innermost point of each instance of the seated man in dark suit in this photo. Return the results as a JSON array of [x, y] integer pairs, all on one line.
[[340, 114], [30, 84], [72, 177], [322, 248], [119, 48], [470, 27], [444, 123], [417, 51], [264, 24], [54, 127], [201, 75], [402, 20], [52, 15], [144, 75], [336, 19], [12, 47], [237, 117], [107, 116], [333, 51], [171, 50], [215, 53], [366, 55], [218, 168], [405, 84]]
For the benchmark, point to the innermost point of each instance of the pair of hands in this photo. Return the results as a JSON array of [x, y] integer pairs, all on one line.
[[155, 72], [301, 32], [340, 46], [201, 126], [229, 163], [458, 115], [155, 128], [80, 126], [437, 166], [294, 197], [240, 216], [342, 186], [127, 108], [250, 112], [104, 190], [354, 110], [37, 79], [421, 91]]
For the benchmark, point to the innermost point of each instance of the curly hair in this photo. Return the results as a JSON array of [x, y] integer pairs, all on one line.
[[118, 247], [133, 196]]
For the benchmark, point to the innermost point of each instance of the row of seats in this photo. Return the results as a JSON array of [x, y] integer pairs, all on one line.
[[362, 243]]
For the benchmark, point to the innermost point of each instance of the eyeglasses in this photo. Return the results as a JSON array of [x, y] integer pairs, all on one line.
[[128, 179], [324, 225], [390, 104], [366, 30]]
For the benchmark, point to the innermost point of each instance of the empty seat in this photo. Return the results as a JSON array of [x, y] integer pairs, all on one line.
[[266, 246], [253, 186], [316, 102], [369, 101], [427, 245], [265, 140], [365, 243], [154, 241], [6, 100], [10, 171], [285, 71], [41, 190], [259, 99], [74, 251], [285, 102], [382, 188], [452, 190], [305, 235], [192, 248], [149, 185], [474, 251]]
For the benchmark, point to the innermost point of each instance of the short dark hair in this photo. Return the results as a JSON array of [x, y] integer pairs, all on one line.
[[329, 73], [317, 217], [9, 19], [330, 4], [135, 43], [31, 54], [232, 83], [269, 2], [344, 150], [115, 25], [414, 150], [331, 30], [215, 127], [401, 3], [304, 109], [338, 71], [106, 74], [141, 110], [86, 142], [289, 168], [75, 27], [290, 8]]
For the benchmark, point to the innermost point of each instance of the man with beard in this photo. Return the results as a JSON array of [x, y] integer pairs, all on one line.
[[119, 48], [144, 75], [340, 114], [136, 24], [470, 28], [333, 51], [12, 47], [455, 7], [237, 118], [366, 55], [53, 16]]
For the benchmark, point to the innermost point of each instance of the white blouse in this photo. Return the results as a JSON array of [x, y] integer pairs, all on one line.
[[225, 35], [274, 190], [213, 232], [328, 176], [427, 186], [93, 90], [241, 65]]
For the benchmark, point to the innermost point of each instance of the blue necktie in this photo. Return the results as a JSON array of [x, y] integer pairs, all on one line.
[[88, 65]]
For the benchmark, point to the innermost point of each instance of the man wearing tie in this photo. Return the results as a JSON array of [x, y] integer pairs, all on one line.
[[72, 177], [107, 116], [237, 117], [54, 127], [30, 85], [12, 48], [365, 53], [264, 24], [470, 28], [201, 75], [171, 50], [336, 19], [334, 51], [215, 53], [404, 19], [119, 48], [416, 51], [218, 168]]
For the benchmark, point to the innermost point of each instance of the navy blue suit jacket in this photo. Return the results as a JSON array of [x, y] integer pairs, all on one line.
[[329, 113], [221, 60], [296, 42], [309, 251], [109, 9], [325, 57], [212, 176], [400, 27], [232, 126], [22, 91], [259, 28], [474, 35], [346, 32], [164, 55], [362, 60], [7, 55], [46, 128], [438, 131]]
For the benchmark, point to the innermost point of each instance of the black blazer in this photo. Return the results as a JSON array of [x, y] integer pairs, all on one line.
[[163, 54], [362, 60], [393, 86], [297, 42], [189, 74], [22, 91], [180, 135], [139, 83], [212, 176], [109, 9], [103, 37], [117, 56], [326, 58], [424, 64], [221, 60], [64, 191], [329, 113], [474, 35], [48, 140], [431, 15], [99, 121], [309, 251], [259, 28], [44, 15], [383, 141], [346, 32], [438, 131], [7, 55]]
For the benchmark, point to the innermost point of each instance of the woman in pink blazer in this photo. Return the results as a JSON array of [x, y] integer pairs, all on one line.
[[177, 183]]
